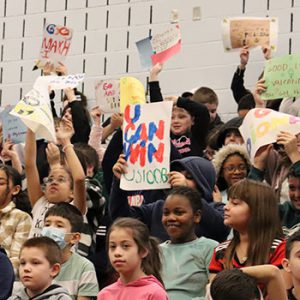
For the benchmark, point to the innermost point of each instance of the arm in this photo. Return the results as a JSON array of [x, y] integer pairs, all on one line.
[[64, 133], [154, 88], [9, 152], [33, 182], [6, 276], [271, 277], [237, 85], [116, 121], [289, 142], [20, 236]]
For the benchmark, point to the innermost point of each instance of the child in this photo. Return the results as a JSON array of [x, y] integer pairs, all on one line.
[[291, 264], [63, 223], [252, 212], [39, 264], [135, 256], [15, 224], [236, 284], [186, 257], [61, 185], [210, 99]]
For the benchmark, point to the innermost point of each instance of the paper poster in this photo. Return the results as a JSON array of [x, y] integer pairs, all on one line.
[[261, 127], [60, 82], [35, 112], [108, 95], [249, 31], [146, 145], [282, 77], [145, 52], [13, 128], [55, 45], [166, 44], [131, 92]]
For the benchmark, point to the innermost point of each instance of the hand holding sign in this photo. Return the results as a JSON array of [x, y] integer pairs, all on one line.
[[289, 142]]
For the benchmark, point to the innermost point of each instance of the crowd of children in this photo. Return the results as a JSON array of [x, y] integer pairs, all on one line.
[[226, 229]]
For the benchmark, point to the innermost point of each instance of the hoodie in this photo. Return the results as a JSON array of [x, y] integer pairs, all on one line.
[[211, 224], [53, 292], [147, 287]]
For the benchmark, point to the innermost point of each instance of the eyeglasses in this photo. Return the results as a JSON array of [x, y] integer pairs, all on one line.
[[232, 169], [49, 180]]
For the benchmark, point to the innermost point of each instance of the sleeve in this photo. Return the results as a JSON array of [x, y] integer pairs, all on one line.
[[21, 234], [155, 93], [209, 252], [80, 122], [159, 294], [95, 141], [6, 276], [278, 255], [88, 285], [296, 167], [201, 118], [256, 174], [215, 265], [237, 85]]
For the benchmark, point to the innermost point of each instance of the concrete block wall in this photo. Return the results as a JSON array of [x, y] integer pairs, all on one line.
[[105, 32]]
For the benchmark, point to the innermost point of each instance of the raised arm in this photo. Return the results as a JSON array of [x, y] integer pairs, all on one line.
[[33, 182], [154, 88]]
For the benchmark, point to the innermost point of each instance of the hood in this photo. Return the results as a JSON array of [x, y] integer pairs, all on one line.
[[202, 172], [144, 281], [234, 123], [227, 150], [290, 106], [52, 290]]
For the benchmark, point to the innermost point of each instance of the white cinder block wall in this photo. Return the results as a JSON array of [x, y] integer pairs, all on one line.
[[105, 32]]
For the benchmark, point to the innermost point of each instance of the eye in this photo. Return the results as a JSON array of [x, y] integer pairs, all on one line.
[[166, 212], [125, 246], [112, 246]]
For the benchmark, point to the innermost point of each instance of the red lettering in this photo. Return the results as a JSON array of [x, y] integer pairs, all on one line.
[[160, 152], [261, 112], [138, 152]]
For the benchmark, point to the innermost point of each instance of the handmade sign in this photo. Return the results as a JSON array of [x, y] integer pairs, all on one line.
[[59, 82], [35, 112], [166, 44], [261, 126], [131, 92], [146, 145], [108, 95], [249, 31], [55, 45], [13, 128], [145, 52], [282, 77]]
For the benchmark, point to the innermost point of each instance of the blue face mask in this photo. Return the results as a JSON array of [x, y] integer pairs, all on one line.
[[56, 234]]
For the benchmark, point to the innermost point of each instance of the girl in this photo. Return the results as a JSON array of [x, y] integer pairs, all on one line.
[[15, 224], [135, 256], [186, 257], [61, 185], [252, 212], [232, 164]]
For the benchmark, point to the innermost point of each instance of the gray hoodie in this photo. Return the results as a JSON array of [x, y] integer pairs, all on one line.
[[53, 292]]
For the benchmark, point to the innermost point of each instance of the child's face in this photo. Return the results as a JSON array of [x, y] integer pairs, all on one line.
[[234, 169], [212, 109], [179, 219], [6, 189], [294, 191], [233, 137], [35, 271], [124, 254], [237, 214], [292, 265], [181, 121], [58, 186]]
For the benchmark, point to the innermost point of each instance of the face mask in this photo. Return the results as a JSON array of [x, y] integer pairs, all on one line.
[[56, 234]]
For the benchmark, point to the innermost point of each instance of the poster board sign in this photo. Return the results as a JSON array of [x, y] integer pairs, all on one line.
[[60, 82], [108, 95], [249, 31], [145, 52], [146, 145], [56, 44], [131, 92], [13, 128], [35, 112], [282, 77], [262, 125], [166, 44]]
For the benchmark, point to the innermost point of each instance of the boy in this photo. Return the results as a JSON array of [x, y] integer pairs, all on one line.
[[209, 98], [292, 265], [39, 263], [63, 223]]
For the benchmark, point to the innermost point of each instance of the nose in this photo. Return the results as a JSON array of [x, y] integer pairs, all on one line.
[[297, 193], [117, 252]]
